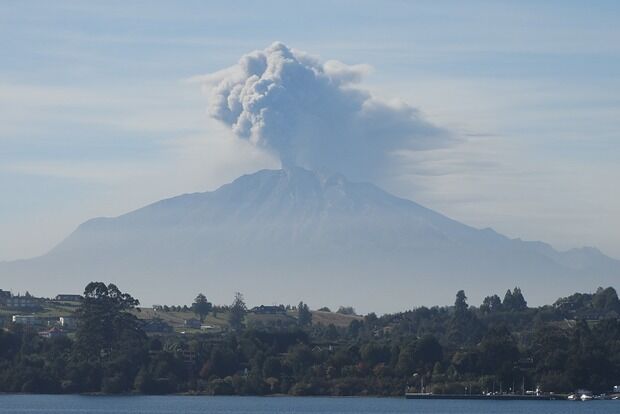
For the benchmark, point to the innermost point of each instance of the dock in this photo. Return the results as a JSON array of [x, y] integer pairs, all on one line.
[[494, 397]]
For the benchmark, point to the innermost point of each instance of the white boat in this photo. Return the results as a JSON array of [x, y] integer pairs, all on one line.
[[585, 397], [572, 397]]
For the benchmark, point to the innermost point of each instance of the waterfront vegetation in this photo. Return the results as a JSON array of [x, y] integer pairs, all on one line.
[[503, 346]]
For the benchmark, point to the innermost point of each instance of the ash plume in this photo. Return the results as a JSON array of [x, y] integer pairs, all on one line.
[[313, 114]]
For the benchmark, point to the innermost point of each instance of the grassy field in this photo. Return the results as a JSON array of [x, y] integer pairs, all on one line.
[[49, 310], [176, 319], [53, 309], [338, 319]]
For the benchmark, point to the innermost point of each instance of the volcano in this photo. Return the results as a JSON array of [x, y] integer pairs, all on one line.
[[280, 236]]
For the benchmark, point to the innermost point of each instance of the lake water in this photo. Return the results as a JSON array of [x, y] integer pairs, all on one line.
[[287, 405]]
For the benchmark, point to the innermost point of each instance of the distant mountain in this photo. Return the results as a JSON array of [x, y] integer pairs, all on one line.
[[285, 235]]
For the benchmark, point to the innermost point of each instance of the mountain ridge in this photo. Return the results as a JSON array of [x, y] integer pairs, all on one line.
[[279, 232]]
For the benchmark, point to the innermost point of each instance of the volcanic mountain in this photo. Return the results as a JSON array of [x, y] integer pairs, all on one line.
[[281, 236]]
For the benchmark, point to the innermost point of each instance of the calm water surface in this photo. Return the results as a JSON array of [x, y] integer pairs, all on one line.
[[285, 405]]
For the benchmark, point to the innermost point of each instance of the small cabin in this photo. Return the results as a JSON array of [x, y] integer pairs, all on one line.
[[64, 297]]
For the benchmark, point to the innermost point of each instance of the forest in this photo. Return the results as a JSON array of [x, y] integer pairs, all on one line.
[[502, 345]]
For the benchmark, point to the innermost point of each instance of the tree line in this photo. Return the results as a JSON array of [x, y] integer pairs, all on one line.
[[500, 346]]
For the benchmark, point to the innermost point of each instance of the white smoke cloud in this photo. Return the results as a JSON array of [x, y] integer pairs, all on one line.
[[311, 114]]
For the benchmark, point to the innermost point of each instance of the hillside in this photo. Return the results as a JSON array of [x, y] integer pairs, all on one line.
[[218, 321]]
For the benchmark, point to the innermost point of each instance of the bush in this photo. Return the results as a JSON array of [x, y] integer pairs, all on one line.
[[114, 385], [221, 386], [346, 310]]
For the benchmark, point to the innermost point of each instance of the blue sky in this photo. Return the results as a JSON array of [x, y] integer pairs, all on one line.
[[98, 113]]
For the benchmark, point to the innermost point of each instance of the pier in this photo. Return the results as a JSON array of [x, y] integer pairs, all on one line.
[[494, 397]]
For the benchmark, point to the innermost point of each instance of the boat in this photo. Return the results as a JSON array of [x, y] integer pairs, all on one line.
[[602, 397]]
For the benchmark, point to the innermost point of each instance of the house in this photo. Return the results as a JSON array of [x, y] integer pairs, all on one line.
[[26, 320], [211, 328], [617, 388], [269, 310], [192, 323], [54, 332], [326, 348], [63, 297]]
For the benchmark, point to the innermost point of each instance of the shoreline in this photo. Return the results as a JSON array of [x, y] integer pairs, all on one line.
[[408, 396], [484, 397]]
